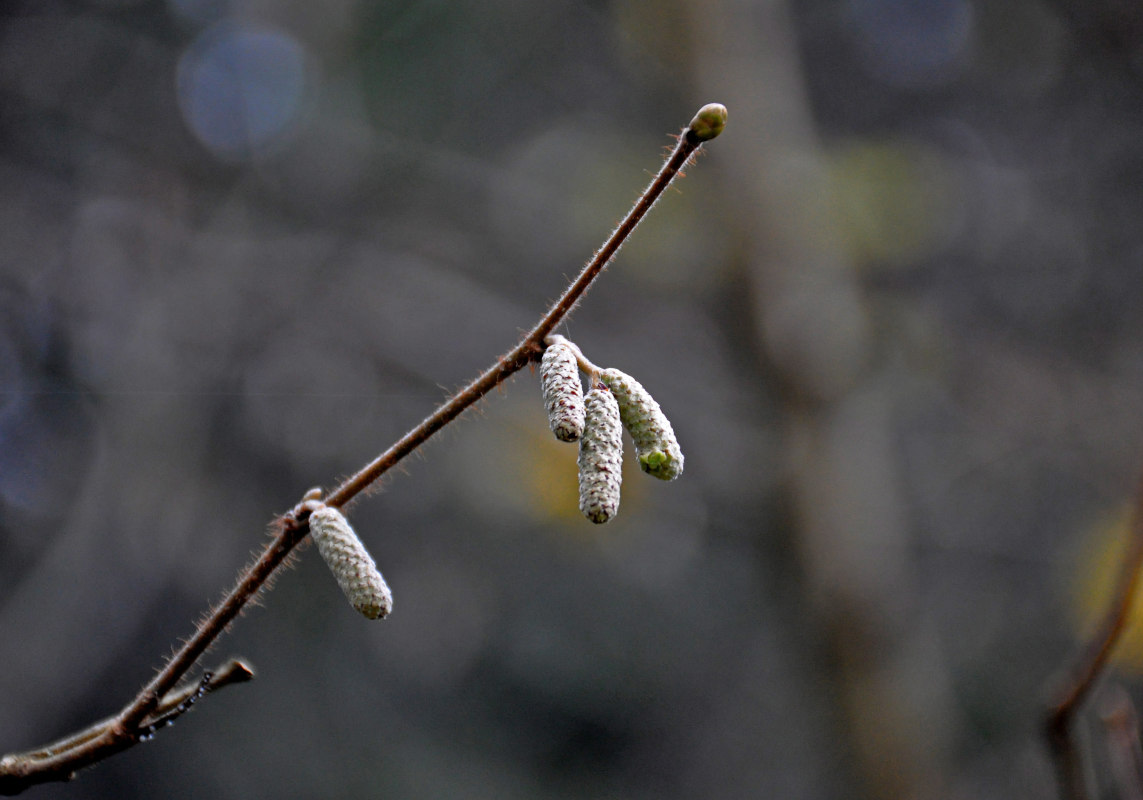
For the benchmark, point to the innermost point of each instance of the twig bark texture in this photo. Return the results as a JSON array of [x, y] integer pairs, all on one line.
[[136, 721]]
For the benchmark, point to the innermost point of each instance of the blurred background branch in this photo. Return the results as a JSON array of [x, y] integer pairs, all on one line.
[[1071, 696]]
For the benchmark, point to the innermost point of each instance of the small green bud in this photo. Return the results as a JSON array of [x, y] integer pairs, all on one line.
[[655, 442], [709, 122], [350, 563], [600, 457], [563, 392]]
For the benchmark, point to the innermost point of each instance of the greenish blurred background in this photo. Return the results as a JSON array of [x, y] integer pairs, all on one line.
[[894, 315]]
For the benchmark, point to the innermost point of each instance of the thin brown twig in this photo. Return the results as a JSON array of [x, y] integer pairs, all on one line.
[[61, 760], [96, 742], [1126, 755], [1089, 666]]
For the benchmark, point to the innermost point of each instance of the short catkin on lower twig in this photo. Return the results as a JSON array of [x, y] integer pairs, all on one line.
[[655, 443], [600, 456], [350, 563], [563, 392]]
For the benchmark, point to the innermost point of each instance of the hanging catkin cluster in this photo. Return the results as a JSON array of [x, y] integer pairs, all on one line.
[[350, 563], [616, 402]]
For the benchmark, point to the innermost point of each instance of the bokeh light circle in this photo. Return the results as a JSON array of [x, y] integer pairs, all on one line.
[[241, 89]]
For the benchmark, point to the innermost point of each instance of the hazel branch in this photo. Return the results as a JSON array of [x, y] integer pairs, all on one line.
[[529, 348], [61, 760]]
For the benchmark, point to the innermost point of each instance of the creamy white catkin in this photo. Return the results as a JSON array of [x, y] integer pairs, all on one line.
[[655, 443], [600, 457], [563, 392], [350, 563]]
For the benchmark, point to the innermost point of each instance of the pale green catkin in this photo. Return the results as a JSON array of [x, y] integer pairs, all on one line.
[[655, 443], [563, 393], [600, 457], [350, 563]]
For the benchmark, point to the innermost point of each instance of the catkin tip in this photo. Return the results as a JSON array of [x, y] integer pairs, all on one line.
[[662, 464], [709, 122]]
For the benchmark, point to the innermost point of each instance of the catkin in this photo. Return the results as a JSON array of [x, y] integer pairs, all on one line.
[[655, 443], [600, 457], [563, 393], [350, 563]]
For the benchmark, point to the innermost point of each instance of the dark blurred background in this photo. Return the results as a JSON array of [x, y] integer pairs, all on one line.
[[894, 315]]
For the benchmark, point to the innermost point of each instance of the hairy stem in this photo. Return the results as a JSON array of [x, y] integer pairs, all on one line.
[[583, 362], [61, 760]]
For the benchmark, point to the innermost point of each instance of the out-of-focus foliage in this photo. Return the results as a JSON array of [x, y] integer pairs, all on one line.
[[1099, 571]]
